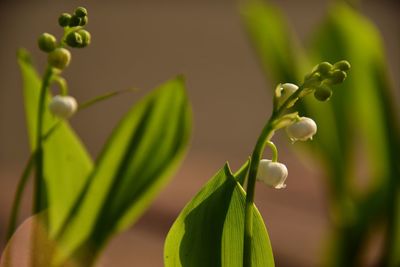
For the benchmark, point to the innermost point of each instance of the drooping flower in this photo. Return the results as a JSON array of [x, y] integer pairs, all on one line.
[[272, 173], [63, 106], [302, 130]]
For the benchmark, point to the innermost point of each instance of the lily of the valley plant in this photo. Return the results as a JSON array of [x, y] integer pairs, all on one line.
[[221, 226], [80, 204]]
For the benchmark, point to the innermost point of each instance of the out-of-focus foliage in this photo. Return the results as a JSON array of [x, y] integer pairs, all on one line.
[[88, 203], [358, 127], [67, 163]]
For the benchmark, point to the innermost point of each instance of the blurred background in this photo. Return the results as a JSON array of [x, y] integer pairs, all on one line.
[[143, 43]]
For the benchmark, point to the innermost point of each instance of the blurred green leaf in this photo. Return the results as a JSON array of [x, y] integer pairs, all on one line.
[[66, 162], [273, 41], [210, 229], [140, 156], [357, 101]]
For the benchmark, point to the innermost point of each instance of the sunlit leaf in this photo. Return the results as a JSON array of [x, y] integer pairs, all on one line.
[[66, 162], [210, 229], [140, 156]]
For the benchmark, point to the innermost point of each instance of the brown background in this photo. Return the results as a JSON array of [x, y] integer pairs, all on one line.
[[143, 43]]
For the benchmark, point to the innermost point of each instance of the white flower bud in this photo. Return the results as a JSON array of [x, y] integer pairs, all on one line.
[[302, 130], [287, 89], [63, 106], [272, 174]]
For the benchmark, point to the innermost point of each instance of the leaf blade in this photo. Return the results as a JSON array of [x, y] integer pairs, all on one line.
[[210, 229], [142, 152]]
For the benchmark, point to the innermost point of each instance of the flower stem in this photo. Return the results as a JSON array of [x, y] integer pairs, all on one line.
[[265, 135], [39, 194], [18, 196], [263, 140]]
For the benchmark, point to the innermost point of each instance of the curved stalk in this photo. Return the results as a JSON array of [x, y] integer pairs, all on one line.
[[12, 225], [263, 140], [39, 194]]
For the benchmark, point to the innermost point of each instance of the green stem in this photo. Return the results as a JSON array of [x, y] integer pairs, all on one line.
[[39, 196], [274, 151], [254, 162], [22, 184], [18, 196], [263, 140]]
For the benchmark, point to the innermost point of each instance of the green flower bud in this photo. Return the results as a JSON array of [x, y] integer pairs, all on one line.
[[59, 58], [47, 42], [85, 36], [81, 12], [324, 68], [342, 65], [75, 21], [323, 93], [64, 19], [74, 39], [84, 21], [336, 77]]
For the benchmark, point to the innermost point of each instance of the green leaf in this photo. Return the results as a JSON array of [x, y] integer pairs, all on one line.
[[66, 162], [273, 41], [210, 229], [136, 162]]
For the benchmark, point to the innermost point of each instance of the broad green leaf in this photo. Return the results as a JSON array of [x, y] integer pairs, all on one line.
[[136, 162], [210, 229], [66, 162]]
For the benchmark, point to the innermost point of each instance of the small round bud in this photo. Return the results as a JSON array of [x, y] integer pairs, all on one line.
[[85, 36], [63, 106], [336, 77], [323, 93], [75, 21], [47, 42], [81, 12], [64, 19], [302, 130], [84, 21], [74, 39], [342, 65], [59, 58], [272, 174], [324, 68]]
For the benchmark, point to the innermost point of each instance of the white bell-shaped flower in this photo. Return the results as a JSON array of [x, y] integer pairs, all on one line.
[[302, 130], [63, 106], [272, 173]]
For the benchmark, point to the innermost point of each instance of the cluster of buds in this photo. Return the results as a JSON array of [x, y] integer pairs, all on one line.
[[74, 36], [323, 76], [319, 82], [59, 57]]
